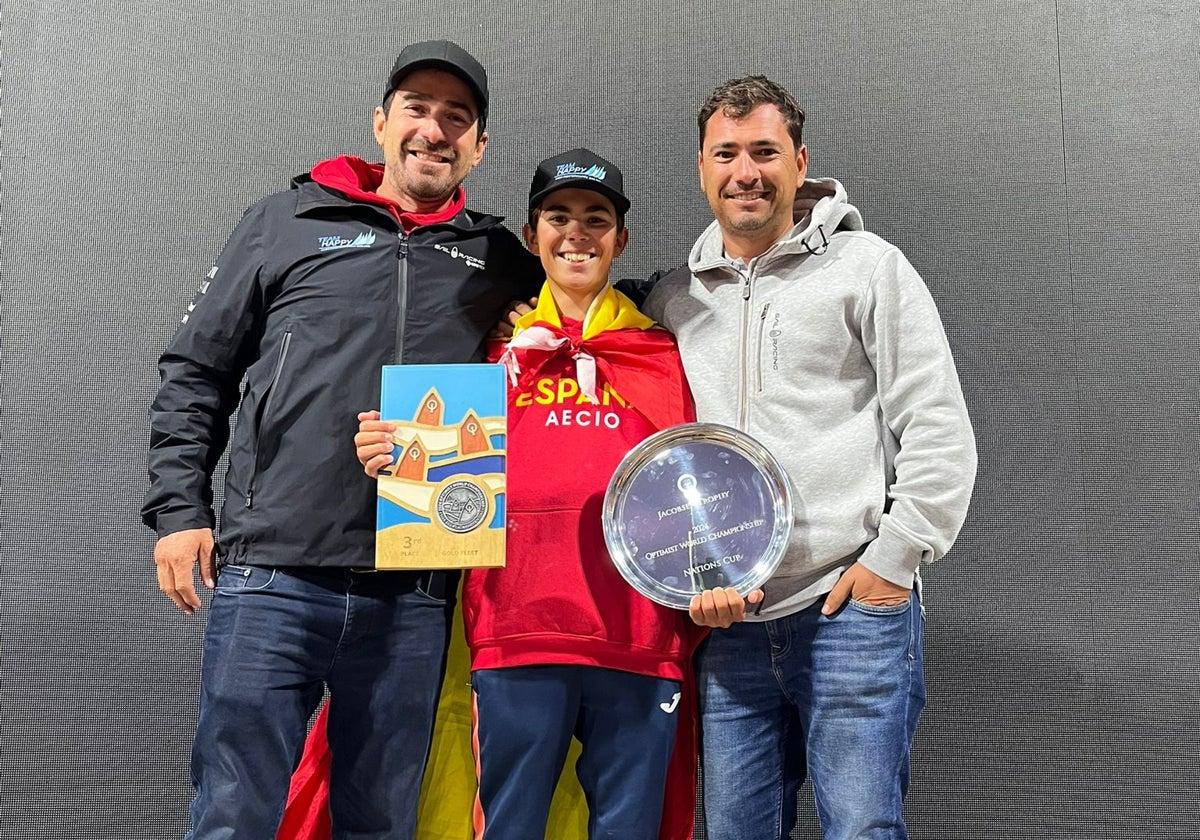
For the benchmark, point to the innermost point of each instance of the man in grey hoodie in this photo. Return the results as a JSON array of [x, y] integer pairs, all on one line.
[[820, 340]]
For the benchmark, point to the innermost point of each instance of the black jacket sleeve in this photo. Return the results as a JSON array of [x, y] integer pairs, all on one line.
[[200, 373], [525, 263]]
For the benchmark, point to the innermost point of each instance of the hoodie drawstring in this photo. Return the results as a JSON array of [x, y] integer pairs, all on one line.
[[824, 242]]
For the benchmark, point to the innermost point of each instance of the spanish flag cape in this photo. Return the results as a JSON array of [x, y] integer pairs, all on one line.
[[640, 360], [641, 363]]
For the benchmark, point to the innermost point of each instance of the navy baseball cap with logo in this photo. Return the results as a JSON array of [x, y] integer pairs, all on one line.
[[582, 169], [443, 55]]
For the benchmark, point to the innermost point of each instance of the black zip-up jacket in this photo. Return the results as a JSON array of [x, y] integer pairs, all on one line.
[[305, 302]]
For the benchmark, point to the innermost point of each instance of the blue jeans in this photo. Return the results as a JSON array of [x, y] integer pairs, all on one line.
[[834, 699], [625, 723], [275, 638]]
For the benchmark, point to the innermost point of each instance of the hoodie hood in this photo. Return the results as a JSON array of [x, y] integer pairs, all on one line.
[[831, 213], [359, 180]]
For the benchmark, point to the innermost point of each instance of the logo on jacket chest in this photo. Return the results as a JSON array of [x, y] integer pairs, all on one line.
[[335, 243], [455, 253]]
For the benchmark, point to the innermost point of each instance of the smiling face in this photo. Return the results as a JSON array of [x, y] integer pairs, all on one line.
[[577, 233], [750, 169], [430, 139]]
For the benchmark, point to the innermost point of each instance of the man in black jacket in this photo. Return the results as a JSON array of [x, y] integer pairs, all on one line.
[[357, 266]]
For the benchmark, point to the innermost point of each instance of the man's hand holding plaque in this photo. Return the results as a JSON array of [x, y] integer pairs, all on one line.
[[721, 607]]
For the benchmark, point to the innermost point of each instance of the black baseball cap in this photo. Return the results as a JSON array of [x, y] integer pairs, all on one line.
[[448, 56], [582, 169]]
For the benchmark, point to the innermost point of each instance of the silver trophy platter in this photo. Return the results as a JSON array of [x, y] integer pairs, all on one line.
[[696, 507]]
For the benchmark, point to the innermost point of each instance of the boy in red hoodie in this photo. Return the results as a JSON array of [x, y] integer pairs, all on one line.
[[560, 644]]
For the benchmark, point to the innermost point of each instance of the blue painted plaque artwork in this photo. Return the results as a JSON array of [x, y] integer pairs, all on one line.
[[441, 503]]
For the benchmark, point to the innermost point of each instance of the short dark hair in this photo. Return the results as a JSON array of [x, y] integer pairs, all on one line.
[[738, 97]]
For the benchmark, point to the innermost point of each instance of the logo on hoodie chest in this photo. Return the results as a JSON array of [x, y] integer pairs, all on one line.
[[568, 405], [335, 243], [775, 334]]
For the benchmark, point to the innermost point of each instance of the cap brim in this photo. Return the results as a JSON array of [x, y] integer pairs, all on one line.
[[620, 202]]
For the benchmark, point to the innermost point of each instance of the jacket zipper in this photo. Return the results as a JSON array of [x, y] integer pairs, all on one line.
[[266, 414], [744, 383], [401, 294]]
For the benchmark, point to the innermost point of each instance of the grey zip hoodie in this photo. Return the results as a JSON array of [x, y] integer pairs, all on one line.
[[829, 350]]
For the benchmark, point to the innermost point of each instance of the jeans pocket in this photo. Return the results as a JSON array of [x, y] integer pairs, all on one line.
[[881, 611], [434, 587], [233, 578]]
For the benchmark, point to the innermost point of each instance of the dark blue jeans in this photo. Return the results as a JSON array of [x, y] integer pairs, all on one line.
[[275, 638], [831, 698]]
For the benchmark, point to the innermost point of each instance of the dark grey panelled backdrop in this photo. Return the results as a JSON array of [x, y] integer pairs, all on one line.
[[1037, 160]]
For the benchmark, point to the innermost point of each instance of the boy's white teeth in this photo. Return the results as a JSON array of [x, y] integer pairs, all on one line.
[[576, 257]]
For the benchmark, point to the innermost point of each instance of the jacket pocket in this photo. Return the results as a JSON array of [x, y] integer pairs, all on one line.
[[263, 419]]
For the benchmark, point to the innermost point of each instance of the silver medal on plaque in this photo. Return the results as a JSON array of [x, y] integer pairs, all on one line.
[[695, 507]]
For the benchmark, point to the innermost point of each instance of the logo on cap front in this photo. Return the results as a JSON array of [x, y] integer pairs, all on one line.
[[570, 170]]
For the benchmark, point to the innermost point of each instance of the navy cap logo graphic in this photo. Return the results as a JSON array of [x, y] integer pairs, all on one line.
[[582, 169]]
